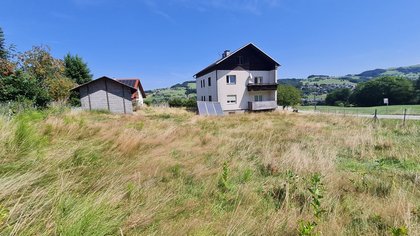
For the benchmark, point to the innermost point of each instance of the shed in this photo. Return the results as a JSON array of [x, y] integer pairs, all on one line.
[[139, 96], [105, 93]]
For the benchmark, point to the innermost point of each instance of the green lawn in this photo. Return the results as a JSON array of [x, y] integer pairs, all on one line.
[[326, 81], [382, 110]]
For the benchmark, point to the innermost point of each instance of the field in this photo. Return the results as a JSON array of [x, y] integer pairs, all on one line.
[[168, 172], [382, 110], [327, 81], [183, 90]]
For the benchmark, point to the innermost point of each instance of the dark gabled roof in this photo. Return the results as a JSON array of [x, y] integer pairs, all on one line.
[[135, 83], [218, 62], [105, 78]]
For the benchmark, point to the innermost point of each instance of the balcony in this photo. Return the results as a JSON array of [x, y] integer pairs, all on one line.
[[262, 86], [260, 106]]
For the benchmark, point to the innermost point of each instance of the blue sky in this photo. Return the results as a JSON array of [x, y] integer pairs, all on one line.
[[167, 41]]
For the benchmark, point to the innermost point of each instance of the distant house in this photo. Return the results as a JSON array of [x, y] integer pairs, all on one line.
[[138, 96], [243, 80], [106, 94]]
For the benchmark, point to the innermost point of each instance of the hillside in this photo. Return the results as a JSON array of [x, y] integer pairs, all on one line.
[[182, 90], [320, 85], [170, 172]]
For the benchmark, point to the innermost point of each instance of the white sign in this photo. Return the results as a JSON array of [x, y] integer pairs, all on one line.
[[386, 101]]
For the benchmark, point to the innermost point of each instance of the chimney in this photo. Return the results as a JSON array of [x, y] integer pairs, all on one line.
[[226, 53]]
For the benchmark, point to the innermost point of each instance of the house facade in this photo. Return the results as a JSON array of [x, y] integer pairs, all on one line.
[[245, 80], [106, 94], [138, 96]]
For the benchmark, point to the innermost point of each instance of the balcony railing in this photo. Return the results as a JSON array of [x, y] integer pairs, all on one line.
[[264, 105], [262, 86]]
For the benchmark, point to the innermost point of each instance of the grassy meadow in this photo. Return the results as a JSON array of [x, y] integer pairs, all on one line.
[[382, 110], [166, 171]]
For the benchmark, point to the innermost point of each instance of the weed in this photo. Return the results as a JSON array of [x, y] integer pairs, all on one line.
[[316, 187], [4, 213], [224, 184], [246, 175], [176, 171], [399, 231]]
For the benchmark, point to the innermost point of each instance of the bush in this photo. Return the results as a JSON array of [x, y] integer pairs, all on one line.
[[338, 97], [183, 102], [398, 90], [20, 87]]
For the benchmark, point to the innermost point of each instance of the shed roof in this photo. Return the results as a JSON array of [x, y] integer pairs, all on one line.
[[133, 82], [106, 78]]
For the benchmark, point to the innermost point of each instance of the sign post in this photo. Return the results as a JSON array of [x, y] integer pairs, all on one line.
[[386, 101]]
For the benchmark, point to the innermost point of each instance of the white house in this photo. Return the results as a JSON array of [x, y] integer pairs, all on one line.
[[138, 96], [242, 80]]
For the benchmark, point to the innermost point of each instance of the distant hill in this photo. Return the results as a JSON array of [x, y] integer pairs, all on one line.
[[319, 85], [410, 72], [313, 86], [181, 90]]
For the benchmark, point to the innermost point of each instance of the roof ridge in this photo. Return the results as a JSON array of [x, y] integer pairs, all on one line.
[[234, 52]]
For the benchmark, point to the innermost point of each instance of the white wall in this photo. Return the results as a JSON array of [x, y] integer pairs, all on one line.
[[240, 88], [207, 90], [140, 99]]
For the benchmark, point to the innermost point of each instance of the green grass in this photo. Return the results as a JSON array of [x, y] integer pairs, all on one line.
[[165, 171], [328, 81], [382, 110]]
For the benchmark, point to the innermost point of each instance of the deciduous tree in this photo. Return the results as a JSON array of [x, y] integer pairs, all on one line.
[[288, 95], [20, 87], [338, 96], [371, 93]]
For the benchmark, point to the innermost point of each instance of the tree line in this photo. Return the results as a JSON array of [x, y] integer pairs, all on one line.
[[398, 90], [37, 78]]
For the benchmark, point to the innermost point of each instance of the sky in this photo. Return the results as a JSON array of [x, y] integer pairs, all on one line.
[[165, 42]]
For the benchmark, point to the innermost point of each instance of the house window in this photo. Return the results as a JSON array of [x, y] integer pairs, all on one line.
[[231, 99], [231, 79], [209, 79], [204, 83], [201, 83], [258, 80], [258, 98], [210, 99]]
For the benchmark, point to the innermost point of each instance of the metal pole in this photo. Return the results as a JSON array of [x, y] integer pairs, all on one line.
[[375, 117], [405, 115]]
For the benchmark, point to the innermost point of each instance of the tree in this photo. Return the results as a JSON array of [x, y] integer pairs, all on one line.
[[371, 93], [59, 88], [338, 96], [417, 88], [7, 67], [288, 95], [41, 64], [3, 50], [20, 87], [76, 69]]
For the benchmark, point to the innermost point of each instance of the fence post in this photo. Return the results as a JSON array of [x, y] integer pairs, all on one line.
[[405, 115], [375, 117]]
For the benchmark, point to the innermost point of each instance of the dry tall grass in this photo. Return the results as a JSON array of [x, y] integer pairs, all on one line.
[[160, 172]]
